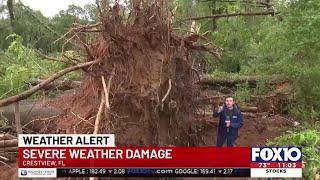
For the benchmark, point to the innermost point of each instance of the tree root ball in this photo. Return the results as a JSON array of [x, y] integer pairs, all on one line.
[[150, 83]]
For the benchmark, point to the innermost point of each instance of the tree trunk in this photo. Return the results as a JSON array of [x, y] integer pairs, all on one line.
[[11, 12]]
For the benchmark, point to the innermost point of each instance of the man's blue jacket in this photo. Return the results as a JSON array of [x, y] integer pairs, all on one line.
[[236, 123]]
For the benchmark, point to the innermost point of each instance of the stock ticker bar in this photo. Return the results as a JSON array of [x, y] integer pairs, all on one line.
[[152, 172]]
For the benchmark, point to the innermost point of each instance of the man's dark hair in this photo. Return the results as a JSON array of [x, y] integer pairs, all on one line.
[[229, 96]]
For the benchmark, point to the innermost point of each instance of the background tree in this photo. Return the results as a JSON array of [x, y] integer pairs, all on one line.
[[37, 30]]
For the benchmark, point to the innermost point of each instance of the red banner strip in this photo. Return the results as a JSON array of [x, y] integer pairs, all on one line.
[[196, 157]]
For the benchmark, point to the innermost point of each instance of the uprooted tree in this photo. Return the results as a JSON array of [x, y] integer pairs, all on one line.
[[139, 81]]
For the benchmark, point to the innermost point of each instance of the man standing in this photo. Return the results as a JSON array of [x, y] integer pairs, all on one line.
[[230, 120]]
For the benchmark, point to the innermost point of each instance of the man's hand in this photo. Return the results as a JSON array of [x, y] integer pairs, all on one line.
[[217, 111]]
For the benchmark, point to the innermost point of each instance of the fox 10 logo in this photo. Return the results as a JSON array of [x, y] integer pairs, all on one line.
[[276, 154], [276, 162]]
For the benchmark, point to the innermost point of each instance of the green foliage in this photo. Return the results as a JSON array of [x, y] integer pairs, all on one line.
[[223, 74], [74, 14], [229, 64], [34, 28], [286, 44], [5, 30], [233, 37], [242, 95], [303, 23], [307, 101], [302, 26], [310, 142], [22, 67], [40, 31], [19, 64], [263, 84]]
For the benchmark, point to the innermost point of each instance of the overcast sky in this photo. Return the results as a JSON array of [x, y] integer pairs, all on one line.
[[51, 7]]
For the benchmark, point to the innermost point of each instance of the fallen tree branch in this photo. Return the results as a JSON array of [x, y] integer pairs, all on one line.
[[49, 57], [263, 4], [228, 81], [167, 93], [81, 119], [36, 88], [39, 119], [10, 149], [108, 89], [8, 143], [106, 94], [232, 14], [232, 81], [247, 109], [220, 98], [64, 84], [7, 137], [71, 59], [99, 116], [4, 158]]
